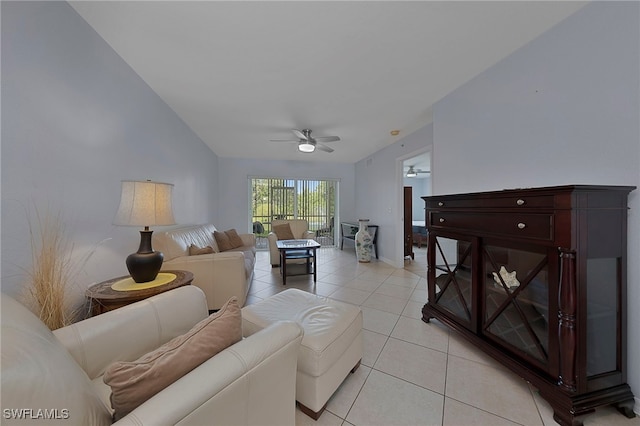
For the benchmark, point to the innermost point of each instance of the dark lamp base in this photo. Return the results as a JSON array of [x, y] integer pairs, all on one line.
[[144, 267], [145, 264]]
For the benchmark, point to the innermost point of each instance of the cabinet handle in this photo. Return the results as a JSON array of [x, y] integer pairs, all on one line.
[[440, 204], [442, 220], [520, 202], [521, 225]]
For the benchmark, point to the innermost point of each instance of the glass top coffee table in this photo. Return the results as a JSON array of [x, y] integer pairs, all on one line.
[[298, 249]]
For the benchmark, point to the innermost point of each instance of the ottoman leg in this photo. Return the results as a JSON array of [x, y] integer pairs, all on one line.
[[316, 414], [309, 412]]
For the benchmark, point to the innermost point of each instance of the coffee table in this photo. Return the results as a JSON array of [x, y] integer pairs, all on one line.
[[298, 249]]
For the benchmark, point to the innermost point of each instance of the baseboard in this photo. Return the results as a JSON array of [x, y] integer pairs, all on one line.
[[390, 262]]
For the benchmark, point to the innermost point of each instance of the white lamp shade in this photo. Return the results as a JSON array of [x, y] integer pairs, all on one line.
[[145, 204]]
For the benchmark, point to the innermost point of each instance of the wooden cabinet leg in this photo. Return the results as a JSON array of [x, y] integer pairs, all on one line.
[[626, 408]]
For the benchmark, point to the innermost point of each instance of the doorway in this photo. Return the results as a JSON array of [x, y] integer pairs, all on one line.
[[416, 183]]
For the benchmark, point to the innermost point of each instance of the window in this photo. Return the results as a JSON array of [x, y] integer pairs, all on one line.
[[278, 198]]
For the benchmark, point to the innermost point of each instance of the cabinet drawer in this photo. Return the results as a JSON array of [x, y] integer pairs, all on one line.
[[538, 226], [541, 201]]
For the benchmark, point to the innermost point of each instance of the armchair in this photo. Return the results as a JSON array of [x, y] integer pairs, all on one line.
[[299, 229], [251, 382]]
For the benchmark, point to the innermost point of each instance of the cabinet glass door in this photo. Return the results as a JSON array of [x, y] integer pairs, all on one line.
[[453, 277], [602, 315], [516, 299]]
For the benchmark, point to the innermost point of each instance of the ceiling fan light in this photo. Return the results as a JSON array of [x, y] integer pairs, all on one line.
[[306, 147], [411, 172]]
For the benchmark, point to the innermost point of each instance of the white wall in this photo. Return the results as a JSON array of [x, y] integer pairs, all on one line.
[[233, 201], [379, 188], [76, 120], [564, 109]]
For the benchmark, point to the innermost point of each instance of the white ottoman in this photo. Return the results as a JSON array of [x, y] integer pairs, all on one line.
[[331, 346]]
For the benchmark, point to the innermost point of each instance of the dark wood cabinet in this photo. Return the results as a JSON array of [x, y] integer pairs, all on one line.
[[537, 279]]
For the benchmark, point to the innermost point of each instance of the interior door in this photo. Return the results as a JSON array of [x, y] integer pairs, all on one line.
[[408, 221]]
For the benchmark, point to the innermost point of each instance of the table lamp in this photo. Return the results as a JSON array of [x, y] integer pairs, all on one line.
[[145, 203]]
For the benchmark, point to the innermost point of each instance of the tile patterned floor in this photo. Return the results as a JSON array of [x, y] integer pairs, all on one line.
[[412, 373]]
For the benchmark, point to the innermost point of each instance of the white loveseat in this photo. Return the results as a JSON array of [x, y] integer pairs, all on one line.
[[251, 382], [220, 275]]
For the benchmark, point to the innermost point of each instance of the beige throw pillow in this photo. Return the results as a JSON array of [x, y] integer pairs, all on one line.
[[223, 240], [194, 250], [283, 232], [234, 238], [132, 383]]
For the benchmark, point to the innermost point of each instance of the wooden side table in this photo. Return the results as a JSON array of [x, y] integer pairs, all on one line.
[[104, 298]]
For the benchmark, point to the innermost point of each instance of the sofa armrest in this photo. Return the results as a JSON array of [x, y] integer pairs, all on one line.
[[248, 239], [219, 275], [308, 235], [251, 382], [274, 253], [133, 330]]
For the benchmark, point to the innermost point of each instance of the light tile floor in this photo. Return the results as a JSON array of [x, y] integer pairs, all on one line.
[[412, 373]]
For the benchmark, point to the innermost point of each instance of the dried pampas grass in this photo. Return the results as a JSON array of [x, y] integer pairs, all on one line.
[[53, 271]]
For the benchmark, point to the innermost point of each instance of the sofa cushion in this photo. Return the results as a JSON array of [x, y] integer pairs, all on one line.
[[234, 238], [283, 232], [222, 240], [38, 372], [196, 251], [132, 383]]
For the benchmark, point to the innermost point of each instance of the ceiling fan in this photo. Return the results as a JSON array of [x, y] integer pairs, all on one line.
[[413, 172], [308, 143]]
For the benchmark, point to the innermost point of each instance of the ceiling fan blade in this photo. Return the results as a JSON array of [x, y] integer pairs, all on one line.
[[324, 148], [299, 134], [327, 138], [282, 140]]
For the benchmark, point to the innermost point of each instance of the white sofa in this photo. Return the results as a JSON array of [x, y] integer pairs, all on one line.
[[300, 231], [252, 382], [220, 275]]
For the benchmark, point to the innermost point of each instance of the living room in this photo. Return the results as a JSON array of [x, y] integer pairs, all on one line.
[[77, 120]]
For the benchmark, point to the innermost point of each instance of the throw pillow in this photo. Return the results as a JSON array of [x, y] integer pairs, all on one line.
[[222, 240], [283, 232], [234, 238], [194, 250], [132, 383]]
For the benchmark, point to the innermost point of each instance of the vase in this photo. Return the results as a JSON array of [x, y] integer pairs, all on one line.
[[364, 242]]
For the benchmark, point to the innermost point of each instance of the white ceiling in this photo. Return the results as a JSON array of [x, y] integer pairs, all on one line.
[[240, 73]]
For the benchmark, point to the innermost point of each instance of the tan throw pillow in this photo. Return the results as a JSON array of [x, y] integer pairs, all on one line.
[[283, 232], [195, 250], [132, 383], [234, 238], [223, 240]]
